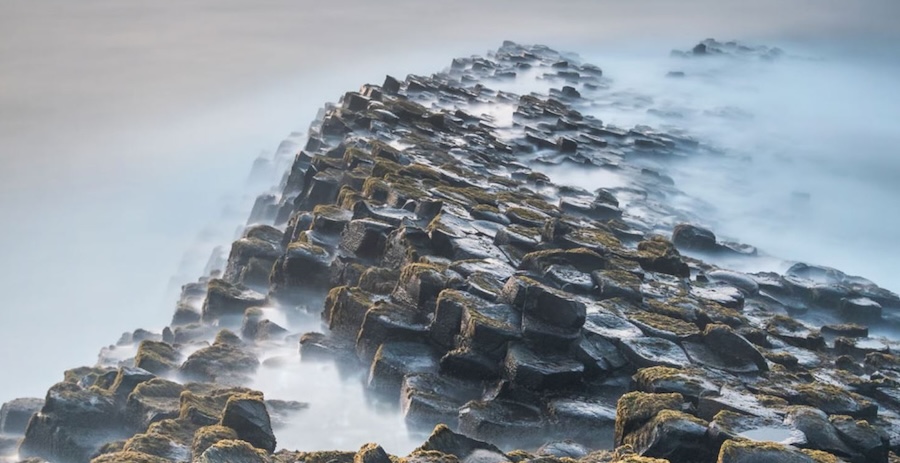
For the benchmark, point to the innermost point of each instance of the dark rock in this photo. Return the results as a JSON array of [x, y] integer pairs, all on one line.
[[648, 352], [635, 409], [227, 451], [694, 238], [587, 421], [386, 321], [599, 356], [394, 360], [152, 401], [371, 453], [426, 400], [488, 328], [659, 255], [546, 303], [445, 441], [220, 362], [225, 299], [502, 422], [542, 371], [157, 357], [563, 449], [248, 416], [345, 309], [72, 425], [14, 415], [674, 435], [366, 238], [746, 451]]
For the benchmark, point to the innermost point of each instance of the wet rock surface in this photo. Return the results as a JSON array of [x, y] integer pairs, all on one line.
[[492, 305]]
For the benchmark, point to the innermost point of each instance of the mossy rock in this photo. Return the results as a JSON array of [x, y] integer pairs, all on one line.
[[379, 280], [220, 361], [208, 436], [747, 451], [157, 357], [834, 400], [596, 239], [152, 401], [158, 445], [325, 456], [246, 413], [663, 326], [420, 172], [636, 408], [688, 382], [205, 409], [658, 254], [233, 451], [129, 457]]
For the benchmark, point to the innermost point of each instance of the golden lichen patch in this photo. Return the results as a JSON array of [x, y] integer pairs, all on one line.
[[664, 323], [129, 457], [207, 436]]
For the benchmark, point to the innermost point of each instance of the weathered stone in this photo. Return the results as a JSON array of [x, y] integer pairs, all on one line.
[[345, 309], [227, 451], [157, 357], [247, 415], [72, 425], [394, 360], [386, 321], [544, 302], [427, 399], [151, 401], [445, 441], [673, 435], [488, 328], [541, 371], [501, 422], [587, 421], [366, 238], [14, 415], [659, 255], [634, 409], [647, 352], [221, 361], [228, 300], [745, 451]]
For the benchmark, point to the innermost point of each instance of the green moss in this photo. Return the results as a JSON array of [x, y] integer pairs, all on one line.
[[157, 357], [158, 387], [669, 309], [469, 196], [129, 457], [379, 280], [419, 172], [433, 456], [665, 323], [151, 444], [328, 456], [819, 456], [208, 436], [525, 216], [384, 167], [594, 238], [178, 430], [227, 338], [235, 447], [205, 408], [636, 408]]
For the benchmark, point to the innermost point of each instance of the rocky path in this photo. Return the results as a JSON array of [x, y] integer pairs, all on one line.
[[497, 308]]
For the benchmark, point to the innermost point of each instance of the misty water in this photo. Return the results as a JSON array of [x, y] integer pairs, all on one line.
[[128, 131]]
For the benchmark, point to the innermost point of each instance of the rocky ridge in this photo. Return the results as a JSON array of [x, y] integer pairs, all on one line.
[[493, 306]]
